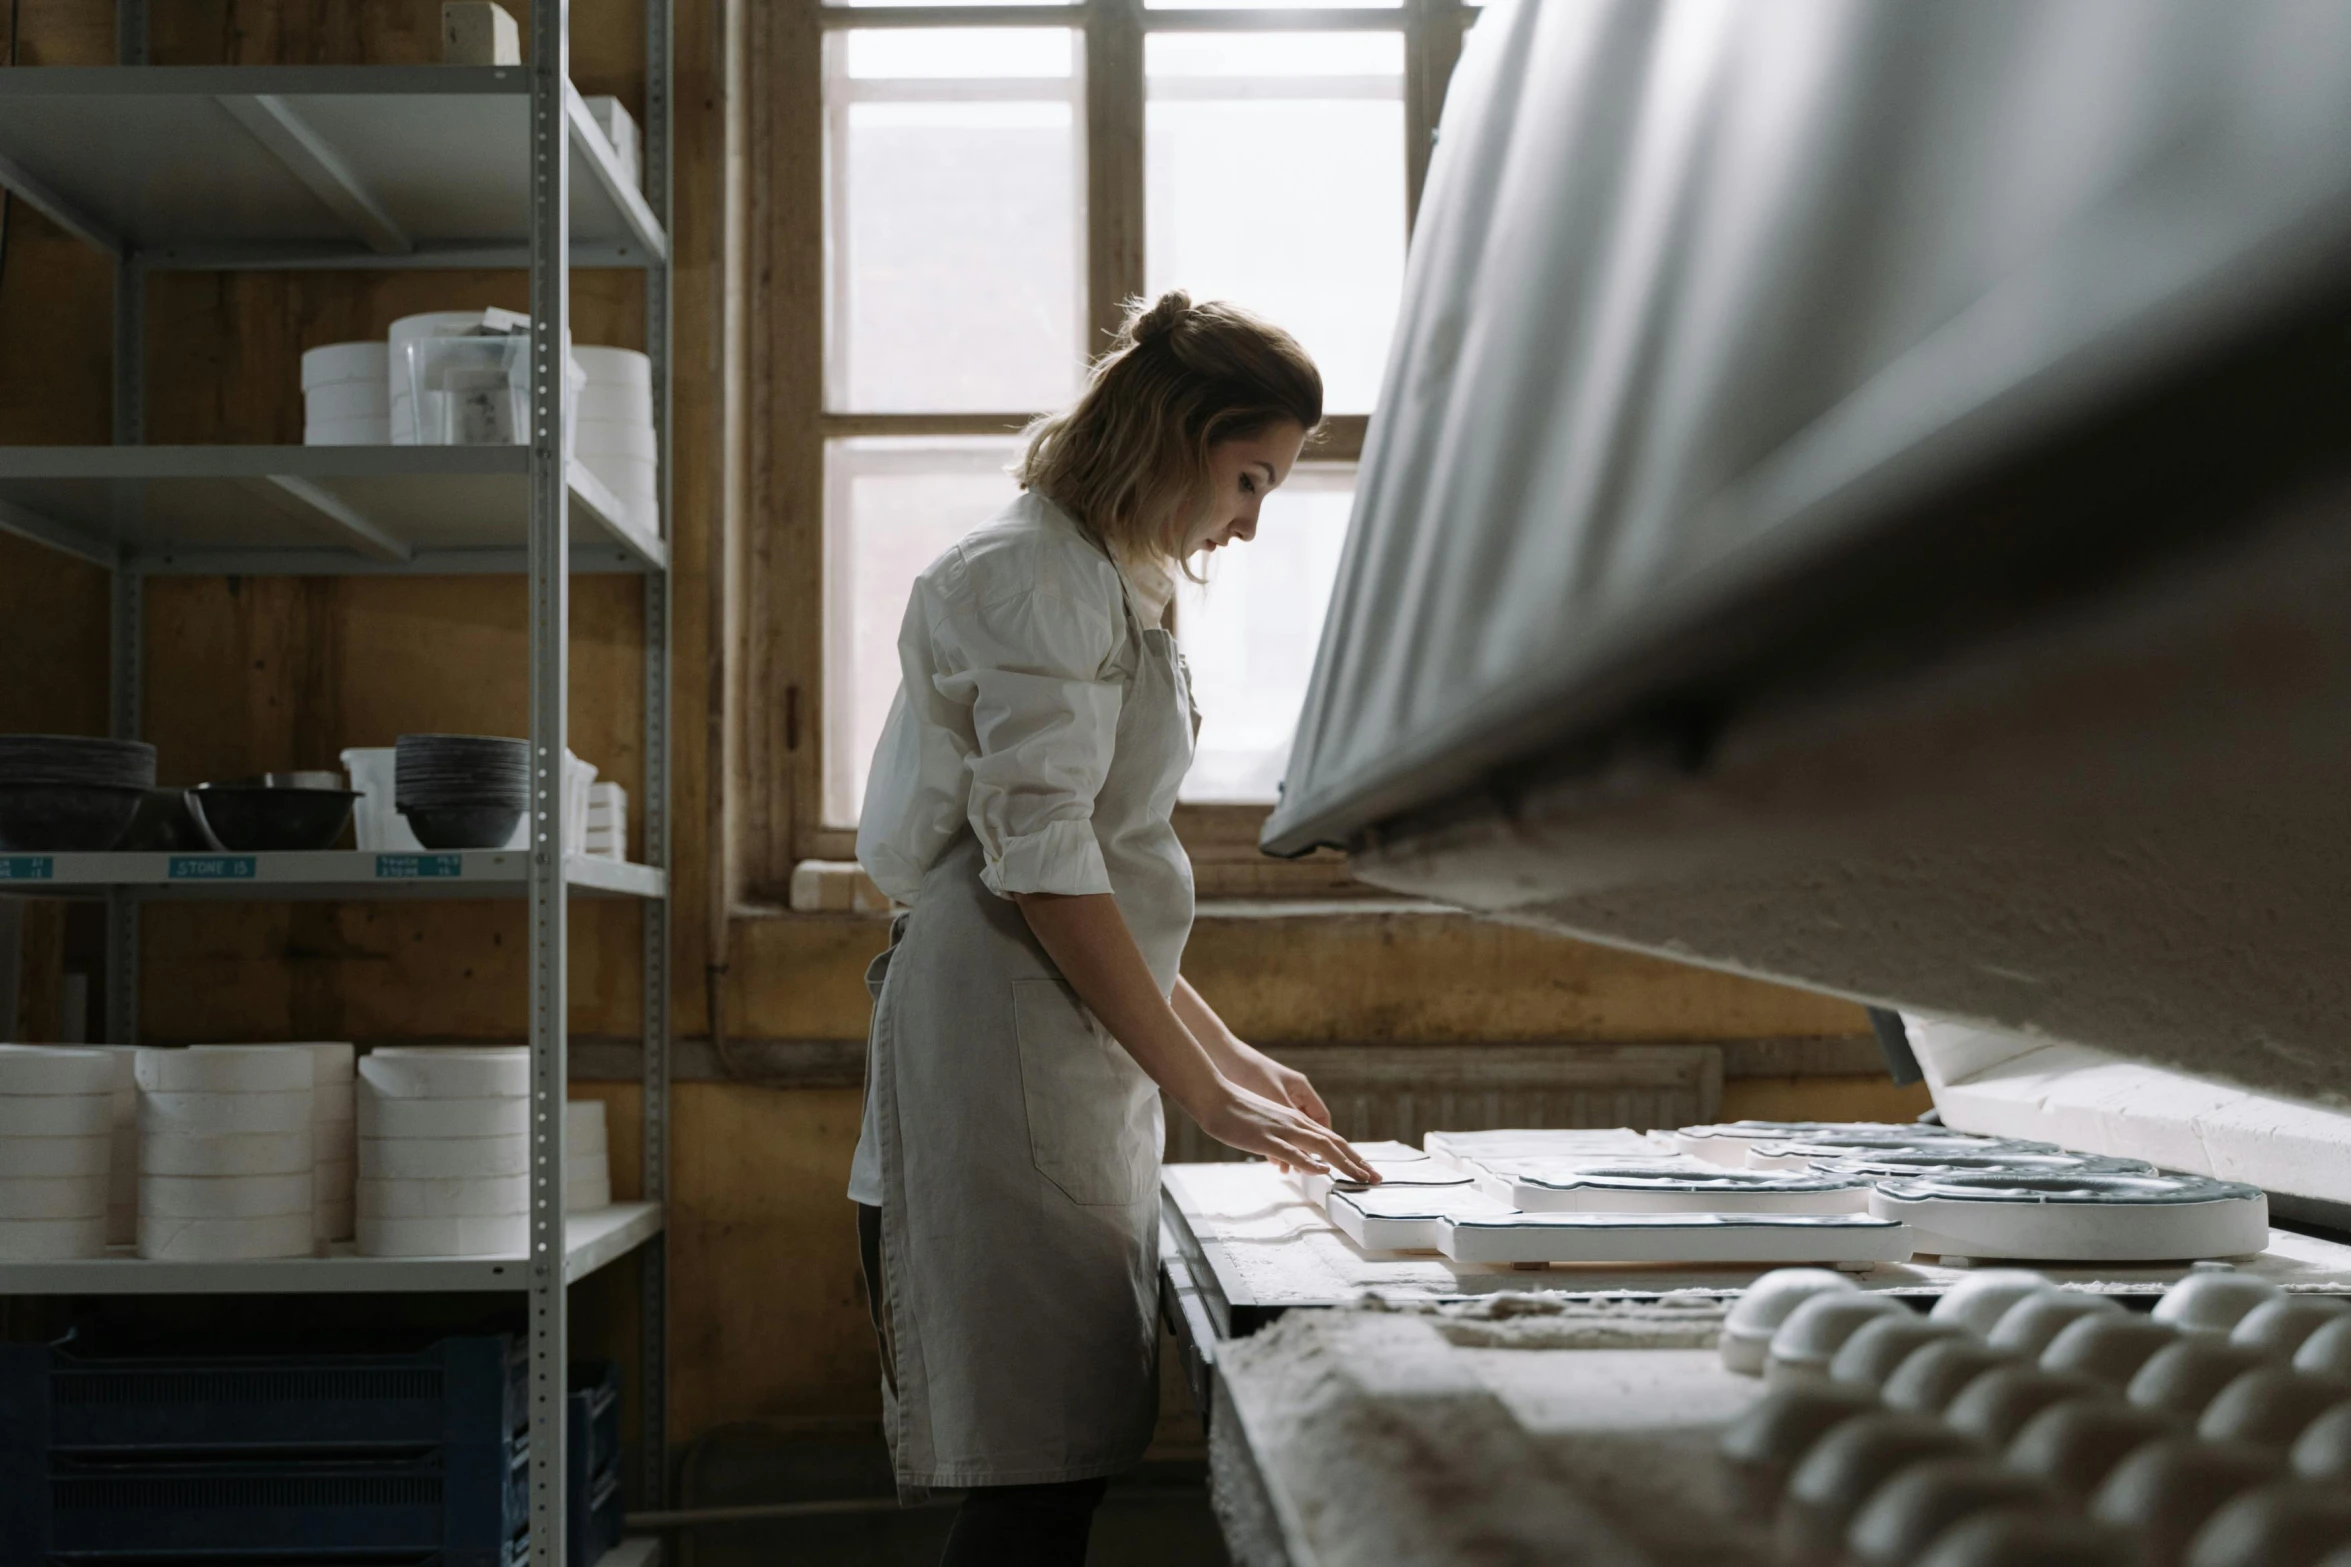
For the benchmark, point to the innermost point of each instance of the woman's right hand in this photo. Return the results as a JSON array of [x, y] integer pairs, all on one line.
[[1249, 1121]]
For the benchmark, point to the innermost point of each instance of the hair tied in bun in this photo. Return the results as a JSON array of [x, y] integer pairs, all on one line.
[[1163, 317]]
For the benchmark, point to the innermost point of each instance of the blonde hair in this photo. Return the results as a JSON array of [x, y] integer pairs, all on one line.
[[1129, 458]]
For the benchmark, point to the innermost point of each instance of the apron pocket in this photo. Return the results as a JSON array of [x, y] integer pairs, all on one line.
[[1090, 1107]]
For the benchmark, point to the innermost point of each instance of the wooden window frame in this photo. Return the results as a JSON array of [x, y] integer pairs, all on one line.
[[776, 770]]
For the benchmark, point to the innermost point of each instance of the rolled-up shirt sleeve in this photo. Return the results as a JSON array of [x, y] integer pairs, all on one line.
[[1032, 668]]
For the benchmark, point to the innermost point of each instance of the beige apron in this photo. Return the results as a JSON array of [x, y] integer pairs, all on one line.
[[1019, 1146]]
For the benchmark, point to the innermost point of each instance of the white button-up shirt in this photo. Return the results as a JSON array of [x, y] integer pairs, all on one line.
[[1012, 666]]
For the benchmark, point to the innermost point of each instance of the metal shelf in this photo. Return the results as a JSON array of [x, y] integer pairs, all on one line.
[[306, 510], [590, 1241], [308, 166], [323, 874], [644, 1551]]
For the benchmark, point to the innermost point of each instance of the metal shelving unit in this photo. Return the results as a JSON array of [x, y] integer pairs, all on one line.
[[376, 167]]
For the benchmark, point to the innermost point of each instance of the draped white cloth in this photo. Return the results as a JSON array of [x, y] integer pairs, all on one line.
[[1704, 291]]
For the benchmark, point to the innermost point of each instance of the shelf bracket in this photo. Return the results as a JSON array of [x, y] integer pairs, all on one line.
[[27, 524], [312, 159], [363, 535], [35, 192]]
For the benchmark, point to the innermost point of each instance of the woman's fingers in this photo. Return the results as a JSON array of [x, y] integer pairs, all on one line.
[[1310, 1103], [1336, 1152]]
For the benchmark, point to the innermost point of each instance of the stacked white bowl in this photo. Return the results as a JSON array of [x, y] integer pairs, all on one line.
[[226, 1166], [346, 395], [334, 1137], [608, 820], [56, 1145], [613, 436], [444, 1151], [587, 1156], [122, 1170]]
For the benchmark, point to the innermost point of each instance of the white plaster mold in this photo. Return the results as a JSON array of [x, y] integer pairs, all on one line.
[[2092, 1217]]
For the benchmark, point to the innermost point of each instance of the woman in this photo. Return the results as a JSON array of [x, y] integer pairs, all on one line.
[[1030, 1010]]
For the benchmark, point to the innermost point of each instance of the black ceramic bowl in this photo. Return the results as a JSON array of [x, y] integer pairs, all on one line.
[[163, 826], [254, 819], [462, 826], [66, 818]]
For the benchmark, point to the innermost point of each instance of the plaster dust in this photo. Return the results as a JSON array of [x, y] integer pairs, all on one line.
[[1371, 1442]]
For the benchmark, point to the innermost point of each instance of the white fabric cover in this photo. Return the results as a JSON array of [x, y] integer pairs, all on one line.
[[1702, 292]]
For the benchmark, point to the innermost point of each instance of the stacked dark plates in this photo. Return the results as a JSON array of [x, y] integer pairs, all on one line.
[[461, 791], [68, 793]]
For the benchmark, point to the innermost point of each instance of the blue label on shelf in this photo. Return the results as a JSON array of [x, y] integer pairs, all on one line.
[[27, 867], [211, 867], [408, 867]]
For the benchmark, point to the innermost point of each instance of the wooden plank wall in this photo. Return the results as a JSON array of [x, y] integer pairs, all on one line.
[[243, 675]]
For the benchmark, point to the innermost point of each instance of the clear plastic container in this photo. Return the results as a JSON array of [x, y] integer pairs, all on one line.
[[470, 391]]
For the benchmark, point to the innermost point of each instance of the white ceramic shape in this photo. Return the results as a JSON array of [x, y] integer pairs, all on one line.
[[358, 361], [238, 1153], [1979, 1301], [226, 1196], [53, 1197], [52, 1157], [54, 1071], [1758, 1239], [52, 1240], [505, 1116], [1765, 1304], [487, 1197], [224, 1069], [56, 1115], [451, 1073], [405, 1158], [223, 1114], [614, 366]]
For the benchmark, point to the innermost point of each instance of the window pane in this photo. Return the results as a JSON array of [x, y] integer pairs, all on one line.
[[1274, 177], [954, 222], [891, 508], [1250, 635]]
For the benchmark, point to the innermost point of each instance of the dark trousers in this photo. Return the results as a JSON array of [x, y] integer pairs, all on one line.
[[997, 1525]]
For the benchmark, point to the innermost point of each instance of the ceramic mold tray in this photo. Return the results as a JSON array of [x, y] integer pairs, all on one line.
[[2078, 1217], [1410, 1218], [1462, 1150], [1729, 1142], [1752, 1239], [1415, 1170], [1697, 1187]]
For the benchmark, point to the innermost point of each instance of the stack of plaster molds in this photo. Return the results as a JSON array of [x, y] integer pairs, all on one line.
[[56, 1147], [334, 1133], [225, 1153], [122, 1170], [444, 1152], [587, 1156]]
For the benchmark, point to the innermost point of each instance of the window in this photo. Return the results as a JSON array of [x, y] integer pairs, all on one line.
[[974, 204]]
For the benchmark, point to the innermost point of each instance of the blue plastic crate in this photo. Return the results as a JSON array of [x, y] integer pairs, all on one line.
[[462, 1507], [595, 1392], [56, 1397]]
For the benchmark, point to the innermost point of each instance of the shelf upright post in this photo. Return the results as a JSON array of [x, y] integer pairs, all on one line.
[[550, 617], [127, 641], [653, 1373]]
